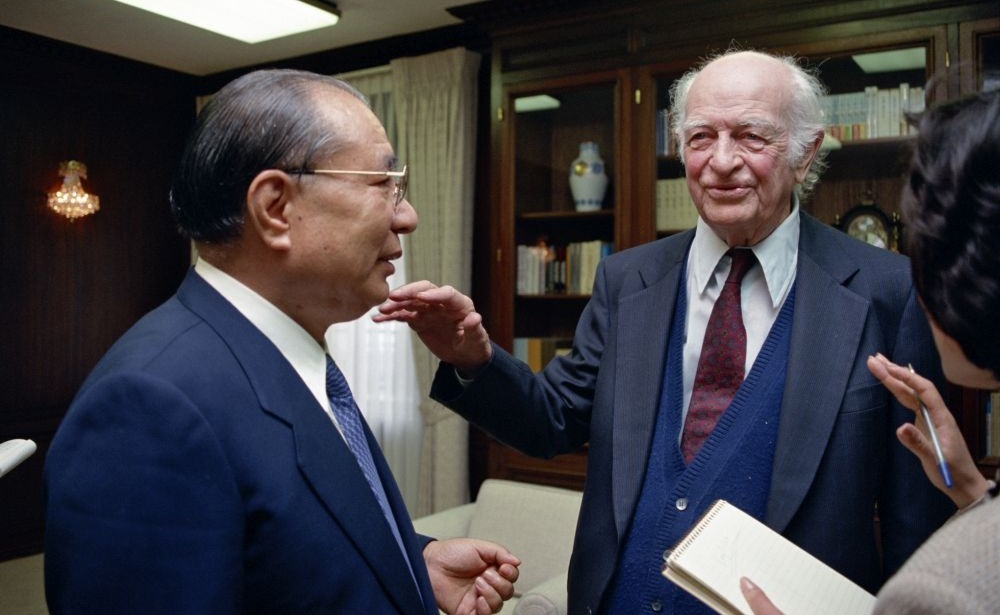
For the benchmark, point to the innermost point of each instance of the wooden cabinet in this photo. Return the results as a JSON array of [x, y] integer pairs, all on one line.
[[610, 69], [540, 146]]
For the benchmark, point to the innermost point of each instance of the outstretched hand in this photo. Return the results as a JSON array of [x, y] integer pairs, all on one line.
[[469, 576], [445, 320], [969, 483]]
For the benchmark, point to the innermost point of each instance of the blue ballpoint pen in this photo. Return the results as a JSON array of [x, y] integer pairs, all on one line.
[[942, 464]]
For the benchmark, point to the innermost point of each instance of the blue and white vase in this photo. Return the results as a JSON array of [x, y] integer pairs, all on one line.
[[587, 179]]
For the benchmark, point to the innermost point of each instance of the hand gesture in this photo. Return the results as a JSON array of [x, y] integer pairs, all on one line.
[[469, 576], [445, 320], [969, 484]]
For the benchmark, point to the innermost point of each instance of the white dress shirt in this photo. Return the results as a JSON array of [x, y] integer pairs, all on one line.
[[306, 356]]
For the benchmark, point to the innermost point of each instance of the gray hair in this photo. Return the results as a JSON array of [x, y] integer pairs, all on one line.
[[265, 119], [803, 115]]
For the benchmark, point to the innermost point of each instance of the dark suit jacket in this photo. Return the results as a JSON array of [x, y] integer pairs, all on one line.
[[196, 473], [837, 460]]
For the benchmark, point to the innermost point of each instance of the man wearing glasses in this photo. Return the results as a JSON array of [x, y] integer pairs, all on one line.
[[214, 461]]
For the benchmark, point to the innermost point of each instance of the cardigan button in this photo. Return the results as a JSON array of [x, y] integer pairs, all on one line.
[[681, 503], [656, 605]]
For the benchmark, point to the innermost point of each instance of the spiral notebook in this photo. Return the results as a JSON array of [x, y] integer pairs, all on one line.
[[727, 543]]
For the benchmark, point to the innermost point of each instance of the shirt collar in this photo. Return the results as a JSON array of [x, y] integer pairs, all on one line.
[[777, 254], [306, 356]]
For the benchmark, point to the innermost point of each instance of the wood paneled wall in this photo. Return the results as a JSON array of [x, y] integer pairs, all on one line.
[[68, 289]]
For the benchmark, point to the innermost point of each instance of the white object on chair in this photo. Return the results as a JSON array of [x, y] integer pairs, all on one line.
[[13, 452]]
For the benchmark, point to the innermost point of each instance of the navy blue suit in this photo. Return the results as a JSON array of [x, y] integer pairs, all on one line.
[[196, 473], [837, 461]]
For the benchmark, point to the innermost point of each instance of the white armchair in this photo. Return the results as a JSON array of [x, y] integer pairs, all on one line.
[[537, 523]]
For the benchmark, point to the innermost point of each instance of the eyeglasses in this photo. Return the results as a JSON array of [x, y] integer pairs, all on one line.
[[400, 179]]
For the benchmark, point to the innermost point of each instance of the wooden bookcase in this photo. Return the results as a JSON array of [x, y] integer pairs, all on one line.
[[610, 70]]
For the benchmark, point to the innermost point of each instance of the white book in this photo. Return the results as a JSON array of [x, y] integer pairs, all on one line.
[[727, 543], [895, 112], [871, 112], [13, 452]]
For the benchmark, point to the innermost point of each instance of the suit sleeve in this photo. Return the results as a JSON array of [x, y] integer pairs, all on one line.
[[910, 507], [142, 512], [542, 414]]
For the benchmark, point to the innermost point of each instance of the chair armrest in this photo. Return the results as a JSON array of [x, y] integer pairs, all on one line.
[[450, 523], [547, 598]]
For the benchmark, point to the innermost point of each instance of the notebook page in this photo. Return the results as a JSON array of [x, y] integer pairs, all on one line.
[[728, 543]]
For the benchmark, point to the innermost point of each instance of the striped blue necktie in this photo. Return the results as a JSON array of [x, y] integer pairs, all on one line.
[[349, 418]]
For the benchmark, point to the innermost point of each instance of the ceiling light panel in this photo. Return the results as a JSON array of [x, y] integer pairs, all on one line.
[[250, 21]]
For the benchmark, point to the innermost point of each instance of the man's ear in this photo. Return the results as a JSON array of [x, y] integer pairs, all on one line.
[[807, 159], [268, 199]]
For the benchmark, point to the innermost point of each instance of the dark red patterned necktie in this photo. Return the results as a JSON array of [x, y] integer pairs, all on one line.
[[721, 364]]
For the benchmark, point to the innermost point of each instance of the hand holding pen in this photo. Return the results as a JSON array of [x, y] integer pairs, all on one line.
[[932, 431], [920, 395]]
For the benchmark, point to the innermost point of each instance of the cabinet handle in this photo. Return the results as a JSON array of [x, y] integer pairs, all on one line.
[[499, 114], [499, 255], [638, 96]]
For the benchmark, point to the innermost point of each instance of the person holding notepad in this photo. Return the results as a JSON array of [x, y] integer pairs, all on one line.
[[951, 208], [788, 423]]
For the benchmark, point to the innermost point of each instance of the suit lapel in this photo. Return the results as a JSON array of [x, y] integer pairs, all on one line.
[[323, 457], [332, 470], [827, 328], [643, 318]]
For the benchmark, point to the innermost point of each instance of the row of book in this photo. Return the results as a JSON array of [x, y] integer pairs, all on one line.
[[675, 210], [544, 269], [872, 113], [538, 351], [991, 447]]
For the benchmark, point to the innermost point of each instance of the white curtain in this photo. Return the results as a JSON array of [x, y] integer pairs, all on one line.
[[377, 360], [435, 98]]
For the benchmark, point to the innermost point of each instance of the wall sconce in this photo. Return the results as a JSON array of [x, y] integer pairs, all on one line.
[[72, 200]]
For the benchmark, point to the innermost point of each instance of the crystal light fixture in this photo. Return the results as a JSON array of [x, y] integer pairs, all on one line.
[[71, 200]]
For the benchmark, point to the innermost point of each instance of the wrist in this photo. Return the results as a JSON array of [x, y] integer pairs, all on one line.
[[467, 373], [988, 486]]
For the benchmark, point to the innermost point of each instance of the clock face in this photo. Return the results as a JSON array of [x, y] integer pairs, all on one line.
[[869, 229], [869, 224]]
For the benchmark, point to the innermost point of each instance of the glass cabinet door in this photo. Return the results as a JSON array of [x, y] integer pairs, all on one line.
[[672, 207], [980, 54], [561, 189], [872, 91]]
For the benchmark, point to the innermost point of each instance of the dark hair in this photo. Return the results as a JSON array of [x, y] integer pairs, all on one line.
[[951, 210], [263, 120]]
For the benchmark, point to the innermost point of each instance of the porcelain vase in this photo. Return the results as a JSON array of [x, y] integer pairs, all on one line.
[[587, 179]]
